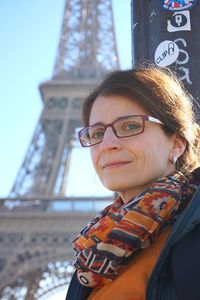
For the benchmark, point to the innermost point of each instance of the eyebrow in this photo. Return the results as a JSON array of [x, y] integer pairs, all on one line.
[[121, 117]]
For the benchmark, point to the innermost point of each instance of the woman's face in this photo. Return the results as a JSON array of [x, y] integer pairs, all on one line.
[[128, 165]]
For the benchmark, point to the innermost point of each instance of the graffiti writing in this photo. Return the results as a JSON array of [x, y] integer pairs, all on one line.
[[183, 59]]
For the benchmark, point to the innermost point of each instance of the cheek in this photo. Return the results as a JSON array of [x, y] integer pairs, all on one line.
[[149, 151], [157, 153]]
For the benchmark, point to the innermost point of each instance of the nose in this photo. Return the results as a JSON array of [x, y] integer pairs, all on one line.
[[110, 140]]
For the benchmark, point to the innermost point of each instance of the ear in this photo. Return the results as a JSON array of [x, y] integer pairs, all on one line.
[[178, 146]]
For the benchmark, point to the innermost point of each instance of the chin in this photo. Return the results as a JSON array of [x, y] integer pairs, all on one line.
[[114, 186]]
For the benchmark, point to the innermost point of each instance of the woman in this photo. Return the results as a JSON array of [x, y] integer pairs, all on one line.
[[144, 142]]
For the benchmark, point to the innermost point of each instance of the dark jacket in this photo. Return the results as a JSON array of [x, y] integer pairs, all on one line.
[[176, 275]]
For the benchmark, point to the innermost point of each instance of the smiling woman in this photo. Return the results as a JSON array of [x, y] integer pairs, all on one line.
[[144, 146]]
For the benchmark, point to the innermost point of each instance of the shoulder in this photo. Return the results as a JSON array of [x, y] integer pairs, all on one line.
[[185, 265]]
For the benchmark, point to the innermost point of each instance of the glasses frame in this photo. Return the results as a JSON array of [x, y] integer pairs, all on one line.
[[144, 118]]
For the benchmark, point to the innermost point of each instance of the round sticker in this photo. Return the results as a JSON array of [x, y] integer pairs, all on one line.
[[177, 5], [166, 53]]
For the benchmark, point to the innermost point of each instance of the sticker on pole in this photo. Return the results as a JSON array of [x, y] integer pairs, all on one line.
[[177, 5], [166, 53], [180, 21]]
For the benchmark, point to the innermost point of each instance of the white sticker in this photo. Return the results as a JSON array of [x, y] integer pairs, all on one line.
[[180, 21], [166, 53]]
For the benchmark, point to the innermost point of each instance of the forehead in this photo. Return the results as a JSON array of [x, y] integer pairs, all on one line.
[[107, 109]]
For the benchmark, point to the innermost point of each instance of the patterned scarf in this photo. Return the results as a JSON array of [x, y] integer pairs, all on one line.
[[121, 230]]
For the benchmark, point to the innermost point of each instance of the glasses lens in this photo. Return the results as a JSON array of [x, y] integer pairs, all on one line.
[[123, 127], [129, 126], [91, 135]]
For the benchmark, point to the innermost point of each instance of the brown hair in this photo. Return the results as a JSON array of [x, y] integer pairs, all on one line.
[[164, 97]]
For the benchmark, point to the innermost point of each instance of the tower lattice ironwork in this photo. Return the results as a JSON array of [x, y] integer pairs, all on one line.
[[86, 52], [35, 236]]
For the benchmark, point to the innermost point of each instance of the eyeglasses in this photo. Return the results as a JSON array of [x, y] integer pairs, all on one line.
[[122, 127]]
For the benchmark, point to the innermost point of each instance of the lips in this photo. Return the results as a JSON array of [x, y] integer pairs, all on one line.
[[116, 163]]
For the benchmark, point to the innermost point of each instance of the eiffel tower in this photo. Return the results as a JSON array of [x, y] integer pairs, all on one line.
[[38, 220]]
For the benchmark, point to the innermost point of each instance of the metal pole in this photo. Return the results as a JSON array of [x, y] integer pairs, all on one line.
[[167, 33]]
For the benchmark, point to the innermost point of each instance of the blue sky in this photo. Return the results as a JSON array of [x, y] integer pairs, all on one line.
[[29, 37]]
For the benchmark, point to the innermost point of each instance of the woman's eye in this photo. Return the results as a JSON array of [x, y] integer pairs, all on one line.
[[97, 134], [132, 126]]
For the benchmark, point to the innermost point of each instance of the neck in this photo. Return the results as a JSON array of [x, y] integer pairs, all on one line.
[[128, 195]]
